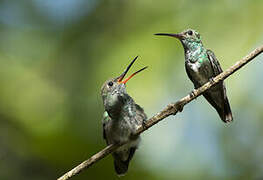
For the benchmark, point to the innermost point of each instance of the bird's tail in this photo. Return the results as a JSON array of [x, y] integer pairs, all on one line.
[[226, 115], [121, 167]]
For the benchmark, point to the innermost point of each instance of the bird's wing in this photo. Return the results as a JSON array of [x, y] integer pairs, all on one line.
[[105, 121], [214, 62], [216, 69], [224, 110], [140, 115]]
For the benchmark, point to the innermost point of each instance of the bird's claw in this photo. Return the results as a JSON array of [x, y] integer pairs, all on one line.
[[211, 80], [180, 107], [192, 94], [144, 126]]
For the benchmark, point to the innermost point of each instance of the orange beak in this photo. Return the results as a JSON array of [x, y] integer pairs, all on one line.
[[120, 78]]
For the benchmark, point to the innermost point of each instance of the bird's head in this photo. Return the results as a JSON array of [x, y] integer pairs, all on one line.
[[114, 89], [189, 38]]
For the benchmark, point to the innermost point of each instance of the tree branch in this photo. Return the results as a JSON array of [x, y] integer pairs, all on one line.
[[170, 109]]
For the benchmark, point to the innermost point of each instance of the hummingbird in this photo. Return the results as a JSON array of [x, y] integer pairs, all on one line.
[[201, 66], [121, 119]]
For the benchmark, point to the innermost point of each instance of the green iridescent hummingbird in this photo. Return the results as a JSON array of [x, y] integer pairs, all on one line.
[[121, 119], [201, 66]]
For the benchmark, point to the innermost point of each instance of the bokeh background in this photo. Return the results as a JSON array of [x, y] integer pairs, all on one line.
[[55, 55]]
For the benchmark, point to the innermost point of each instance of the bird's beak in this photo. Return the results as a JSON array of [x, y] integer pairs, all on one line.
[[128, 78], [120, 78], [178, 36]]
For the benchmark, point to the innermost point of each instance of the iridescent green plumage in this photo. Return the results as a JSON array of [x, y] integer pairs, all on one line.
[[201, 66]]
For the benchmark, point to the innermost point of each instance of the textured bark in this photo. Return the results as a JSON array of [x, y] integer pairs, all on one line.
[[170, 109]]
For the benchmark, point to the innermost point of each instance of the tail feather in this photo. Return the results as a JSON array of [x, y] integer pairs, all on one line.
[[120, 166], [227, 114], [223, 109]]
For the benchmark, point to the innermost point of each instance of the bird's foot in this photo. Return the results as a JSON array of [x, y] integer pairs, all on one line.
[[134, 136], [144, 125], [211, 80], [192, 94], [179, 107]]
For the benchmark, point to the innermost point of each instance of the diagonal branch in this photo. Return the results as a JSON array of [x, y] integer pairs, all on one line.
[[170, 109]]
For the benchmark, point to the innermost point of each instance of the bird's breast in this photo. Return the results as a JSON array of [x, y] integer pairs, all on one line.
[[199, 72]]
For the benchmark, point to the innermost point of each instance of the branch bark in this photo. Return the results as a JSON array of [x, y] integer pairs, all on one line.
[[170, 109]]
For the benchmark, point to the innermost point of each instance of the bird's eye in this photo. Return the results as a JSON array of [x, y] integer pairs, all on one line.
[[110, 84], [190, 33]]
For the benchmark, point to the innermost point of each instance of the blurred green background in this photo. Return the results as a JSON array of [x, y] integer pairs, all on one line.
[[55, 55]]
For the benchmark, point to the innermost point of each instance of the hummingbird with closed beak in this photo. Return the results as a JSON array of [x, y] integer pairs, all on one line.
[[201, 66], [121, 119]]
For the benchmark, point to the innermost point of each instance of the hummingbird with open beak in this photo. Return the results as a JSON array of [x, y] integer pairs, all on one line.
[[121, 119], [201, 66]]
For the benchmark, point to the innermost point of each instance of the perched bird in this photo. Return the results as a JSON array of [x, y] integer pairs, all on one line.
[[121, 119], [201, 66]]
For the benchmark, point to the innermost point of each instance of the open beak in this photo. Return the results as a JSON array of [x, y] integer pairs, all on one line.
[[178, 36], [120, 78]]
